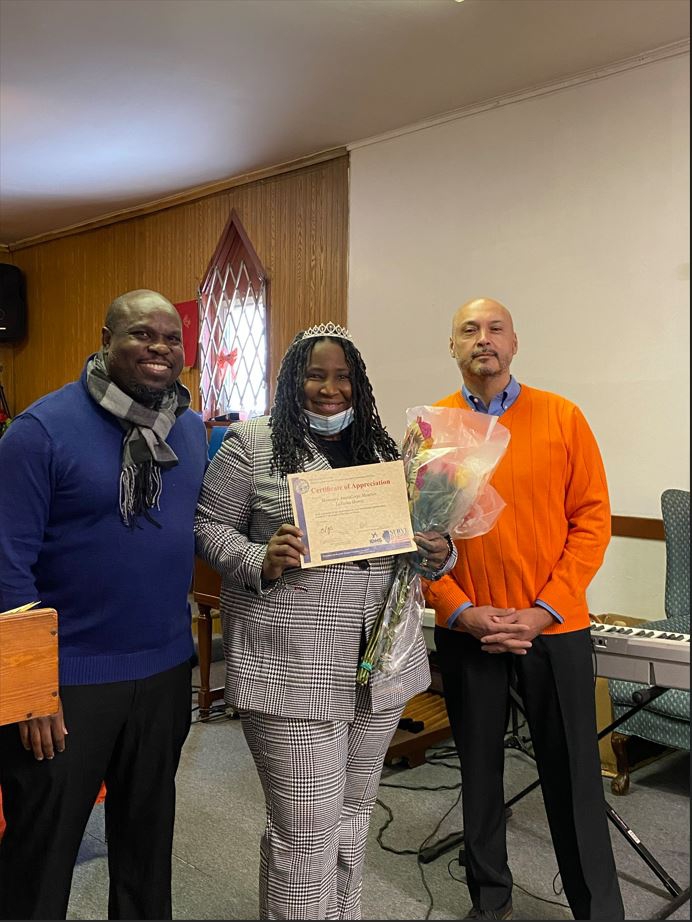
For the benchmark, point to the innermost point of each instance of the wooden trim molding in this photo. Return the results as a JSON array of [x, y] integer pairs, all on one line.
[[181, 198], [633, 526]]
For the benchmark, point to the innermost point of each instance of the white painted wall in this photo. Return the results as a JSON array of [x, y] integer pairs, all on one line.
[[571, 208]]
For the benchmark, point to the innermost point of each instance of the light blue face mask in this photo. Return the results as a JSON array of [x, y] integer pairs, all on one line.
[[329, 425]]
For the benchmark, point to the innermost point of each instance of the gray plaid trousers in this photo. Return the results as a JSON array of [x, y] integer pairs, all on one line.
[[320, 781]]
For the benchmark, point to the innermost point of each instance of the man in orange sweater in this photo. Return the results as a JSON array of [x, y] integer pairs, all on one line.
[[517, 599]]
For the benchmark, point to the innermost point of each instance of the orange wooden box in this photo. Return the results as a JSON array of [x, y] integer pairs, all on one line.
[[28, 664]]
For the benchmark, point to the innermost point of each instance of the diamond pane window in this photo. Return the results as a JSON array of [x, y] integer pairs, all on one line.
[[233, 328]]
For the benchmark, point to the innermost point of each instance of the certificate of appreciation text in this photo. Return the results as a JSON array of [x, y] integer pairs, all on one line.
[[350, 513]]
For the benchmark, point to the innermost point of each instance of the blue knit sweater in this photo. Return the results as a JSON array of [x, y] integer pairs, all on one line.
[[120, 593]]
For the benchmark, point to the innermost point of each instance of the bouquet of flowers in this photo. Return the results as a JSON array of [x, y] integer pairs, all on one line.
[[449, 456]]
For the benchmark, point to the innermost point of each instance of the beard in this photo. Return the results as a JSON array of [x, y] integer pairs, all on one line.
[[486, 369], [148, 396]]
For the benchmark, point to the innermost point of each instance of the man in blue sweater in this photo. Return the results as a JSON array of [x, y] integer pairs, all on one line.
[[98, 488]]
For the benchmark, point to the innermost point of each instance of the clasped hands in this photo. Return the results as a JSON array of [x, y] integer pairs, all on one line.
[[285, 548], [504, 630]]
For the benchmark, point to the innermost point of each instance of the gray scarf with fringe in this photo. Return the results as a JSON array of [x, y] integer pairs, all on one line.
[[145, 451]]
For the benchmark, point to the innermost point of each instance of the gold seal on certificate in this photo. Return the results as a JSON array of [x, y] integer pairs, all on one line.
[[350, 513]]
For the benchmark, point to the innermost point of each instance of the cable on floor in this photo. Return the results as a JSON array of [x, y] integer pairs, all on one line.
[[454, 861], [542, 899], [421, 787], [417, 851]]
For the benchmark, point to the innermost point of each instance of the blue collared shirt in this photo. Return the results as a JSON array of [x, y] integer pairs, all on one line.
[[498, 405]]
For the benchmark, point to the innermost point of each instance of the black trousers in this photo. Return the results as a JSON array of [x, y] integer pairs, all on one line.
[[556, 683], [129, 734]]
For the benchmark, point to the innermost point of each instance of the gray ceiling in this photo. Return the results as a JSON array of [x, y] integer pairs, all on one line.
[[108, 104]]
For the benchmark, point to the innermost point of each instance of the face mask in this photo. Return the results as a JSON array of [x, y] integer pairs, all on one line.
[[329, 425]]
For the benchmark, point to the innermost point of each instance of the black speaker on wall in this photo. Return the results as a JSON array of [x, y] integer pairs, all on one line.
[[12, 304]]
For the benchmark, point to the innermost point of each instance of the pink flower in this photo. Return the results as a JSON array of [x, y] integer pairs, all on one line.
[[425, 427]]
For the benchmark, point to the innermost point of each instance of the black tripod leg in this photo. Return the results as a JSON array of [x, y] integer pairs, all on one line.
[[453, 840], [671, 886], [672, 905], [456, 839], [515, 704]]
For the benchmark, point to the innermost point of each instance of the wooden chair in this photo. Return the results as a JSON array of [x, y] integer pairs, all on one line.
[[206, 589]]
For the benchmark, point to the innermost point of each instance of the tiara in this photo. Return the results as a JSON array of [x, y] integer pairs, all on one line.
[[326, 329]]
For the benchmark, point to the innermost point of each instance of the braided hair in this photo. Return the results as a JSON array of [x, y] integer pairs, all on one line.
[[290, 430]]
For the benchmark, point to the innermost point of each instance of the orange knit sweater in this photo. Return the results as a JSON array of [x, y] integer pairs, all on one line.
[[549, 540]]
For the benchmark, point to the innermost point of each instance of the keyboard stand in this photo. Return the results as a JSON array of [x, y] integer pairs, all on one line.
[[680, 895]]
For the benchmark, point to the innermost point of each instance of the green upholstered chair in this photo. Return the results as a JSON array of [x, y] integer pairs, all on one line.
[[666, 720]]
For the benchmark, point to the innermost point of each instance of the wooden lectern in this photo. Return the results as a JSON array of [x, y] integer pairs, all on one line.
[[28, 664]]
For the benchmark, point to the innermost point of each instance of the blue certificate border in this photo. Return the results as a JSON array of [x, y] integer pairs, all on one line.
[[372, 550]]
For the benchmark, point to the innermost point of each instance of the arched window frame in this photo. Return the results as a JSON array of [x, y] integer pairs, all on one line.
[[234, 328]]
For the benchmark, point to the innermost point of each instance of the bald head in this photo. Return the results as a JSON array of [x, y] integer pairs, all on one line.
[[483, 344], [120, 309], [481, 306]]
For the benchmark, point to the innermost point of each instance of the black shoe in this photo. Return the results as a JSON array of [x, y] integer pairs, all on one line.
[[504, 912]]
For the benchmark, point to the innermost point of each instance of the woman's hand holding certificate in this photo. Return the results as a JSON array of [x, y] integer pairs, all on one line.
[[284, 550]]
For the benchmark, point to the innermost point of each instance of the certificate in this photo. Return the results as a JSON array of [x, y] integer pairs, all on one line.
[[351, 513]]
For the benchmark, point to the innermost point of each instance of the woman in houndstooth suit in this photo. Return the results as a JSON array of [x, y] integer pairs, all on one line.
[[293, 638]]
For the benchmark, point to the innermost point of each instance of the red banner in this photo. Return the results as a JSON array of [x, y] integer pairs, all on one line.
[[189, 316]]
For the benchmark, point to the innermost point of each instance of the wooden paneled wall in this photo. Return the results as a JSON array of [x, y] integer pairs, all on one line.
[[297, 221]]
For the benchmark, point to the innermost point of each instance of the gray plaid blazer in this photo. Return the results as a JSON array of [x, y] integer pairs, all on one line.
[[291, 648]]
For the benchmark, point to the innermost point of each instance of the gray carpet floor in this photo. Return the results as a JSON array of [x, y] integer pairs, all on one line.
[[220, 815]]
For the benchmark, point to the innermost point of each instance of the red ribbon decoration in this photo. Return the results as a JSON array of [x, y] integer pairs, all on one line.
[[227, 360]]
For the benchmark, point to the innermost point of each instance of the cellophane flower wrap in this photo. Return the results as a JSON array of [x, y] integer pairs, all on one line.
[[449, 456]]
